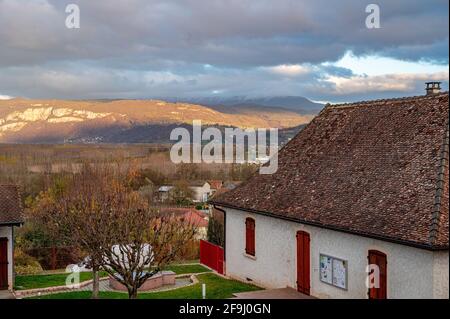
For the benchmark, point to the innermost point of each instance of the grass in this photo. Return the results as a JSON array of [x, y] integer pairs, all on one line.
[[216, 288], [187, 269], [43, 281], [59, 279]]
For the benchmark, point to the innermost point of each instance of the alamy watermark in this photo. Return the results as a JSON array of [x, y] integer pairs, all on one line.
[[237, 146], [73, 278], [73, 17], [373, 276], [373, 19]]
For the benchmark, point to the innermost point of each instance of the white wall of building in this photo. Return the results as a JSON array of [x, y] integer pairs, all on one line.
[[440, 275], [6, 231], [412, 272], [201, 193]]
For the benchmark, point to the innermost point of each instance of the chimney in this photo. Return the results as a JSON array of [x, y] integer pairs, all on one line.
[[433, 87]]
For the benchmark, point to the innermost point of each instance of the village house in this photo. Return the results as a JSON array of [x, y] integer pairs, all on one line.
[[164, 193], [193, 216], [11, 215], [201, 191], [215, 184], [363, 184]]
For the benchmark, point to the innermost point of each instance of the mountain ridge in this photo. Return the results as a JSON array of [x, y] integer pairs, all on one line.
[[58, 121], [298, 104]]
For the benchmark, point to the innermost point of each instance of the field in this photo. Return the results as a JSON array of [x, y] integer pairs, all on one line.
[[34, 167]]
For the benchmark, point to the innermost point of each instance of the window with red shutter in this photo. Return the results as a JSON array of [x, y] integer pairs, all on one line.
[[250, 236], [380, 260]]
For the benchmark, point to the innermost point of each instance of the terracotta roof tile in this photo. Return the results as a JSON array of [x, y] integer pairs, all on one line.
[[215, 184], [192, 215], [375, 168], [11, 210]]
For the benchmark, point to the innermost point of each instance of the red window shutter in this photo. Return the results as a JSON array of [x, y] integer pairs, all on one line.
[[380, 259], [303, 262], [247, 237], [250, 236]]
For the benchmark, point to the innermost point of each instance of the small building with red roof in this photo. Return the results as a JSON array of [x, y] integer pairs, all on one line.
[[11, 215]]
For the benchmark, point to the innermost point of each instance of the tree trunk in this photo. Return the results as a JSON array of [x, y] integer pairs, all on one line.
[[95, 283], [53, 258], [132, 293]]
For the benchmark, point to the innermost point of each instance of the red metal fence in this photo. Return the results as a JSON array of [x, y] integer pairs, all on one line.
[[211, 255]]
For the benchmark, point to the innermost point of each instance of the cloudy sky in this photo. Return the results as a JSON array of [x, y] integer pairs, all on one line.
[[320, 49]]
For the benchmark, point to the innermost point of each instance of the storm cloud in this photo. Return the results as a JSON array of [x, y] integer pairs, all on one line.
[[141, 48]]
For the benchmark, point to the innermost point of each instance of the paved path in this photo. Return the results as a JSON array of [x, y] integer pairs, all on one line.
[[282, 293], [5, 294], [104, 286]]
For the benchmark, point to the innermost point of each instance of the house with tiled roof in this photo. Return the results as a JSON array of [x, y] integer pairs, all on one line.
[[11, 215], [193, 216], [201, 191], [215, 184], [358, 207]]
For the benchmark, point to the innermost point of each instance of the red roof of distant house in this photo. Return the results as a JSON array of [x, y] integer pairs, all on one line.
[[11, 210], [192, 215], [216, 184], [378, 169], [196, 219]]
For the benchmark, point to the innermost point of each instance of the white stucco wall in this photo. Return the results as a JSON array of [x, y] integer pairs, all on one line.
[[411, 271], [7, 232], [440, 275], [199, 192]]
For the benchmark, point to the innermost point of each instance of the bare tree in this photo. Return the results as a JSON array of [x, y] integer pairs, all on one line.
[[101, 214], [215, 233], [145, 242], [80, 213], [181, 194]]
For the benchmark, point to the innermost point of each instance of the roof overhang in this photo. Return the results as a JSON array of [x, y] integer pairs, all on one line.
[[344, 230]]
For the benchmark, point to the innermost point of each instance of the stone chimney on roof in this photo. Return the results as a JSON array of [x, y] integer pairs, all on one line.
[[433, 87]]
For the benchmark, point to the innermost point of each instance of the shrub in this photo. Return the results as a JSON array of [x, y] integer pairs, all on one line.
[[190, 251], [25, 264], [215, 233]]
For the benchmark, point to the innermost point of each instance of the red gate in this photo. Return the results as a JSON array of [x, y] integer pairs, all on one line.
[[211, 255]]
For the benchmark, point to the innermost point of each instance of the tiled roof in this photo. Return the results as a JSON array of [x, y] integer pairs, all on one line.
[[376, 168], [192, 215], [215, 184], [11, 210]]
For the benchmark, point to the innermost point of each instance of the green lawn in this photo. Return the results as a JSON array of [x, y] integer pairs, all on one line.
[[187, 269], [59, 279], [44, 281], [216, 288]]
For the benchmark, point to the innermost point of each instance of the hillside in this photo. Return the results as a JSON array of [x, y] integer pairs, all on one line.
[[297, 104], [126, 121]]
